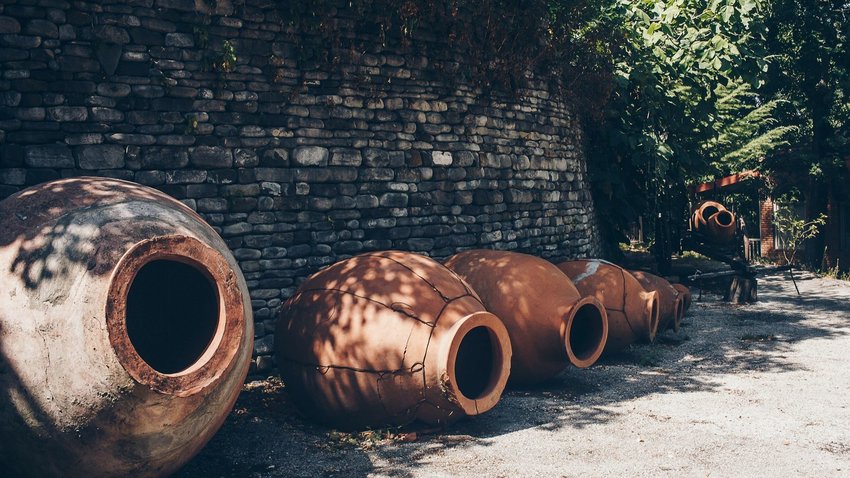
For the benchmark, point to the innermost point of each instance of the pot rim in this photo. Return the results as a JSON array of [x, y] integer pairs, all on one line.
[[502, 352], [567, 327], [219, 355]]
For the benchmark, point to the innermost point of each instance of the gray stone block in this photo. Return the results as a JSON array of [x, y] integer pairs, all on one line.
[[211, 157], [42, 28], [49, 156], [9, 25], [100, 156], [393, 200], [68, 113], [181, 40], [111, 34], [310, 156]]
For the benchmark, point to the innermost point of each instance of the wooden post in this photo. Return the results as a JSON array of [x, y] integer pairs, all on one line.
[[743, 289]]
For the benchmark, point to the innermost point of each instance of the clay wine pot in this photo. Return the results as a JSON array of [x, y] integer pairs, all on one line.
[[125, 330], [633, 312], [685, 294], [703, 212], [720, 228], [671, 306], [549, 322], [387, 338]]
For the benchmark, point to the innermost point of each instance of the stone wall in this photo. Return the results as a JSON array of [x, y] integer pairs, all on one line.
[[297, 163]]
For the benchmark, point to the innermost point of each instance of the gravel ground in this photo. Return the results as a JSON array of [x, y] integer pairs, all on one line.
[[757, 390]]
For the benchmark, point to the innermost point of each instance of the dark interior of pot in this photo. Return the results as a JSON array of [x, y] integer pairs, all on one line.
[[586, 331], [724, 218], [172, 314], [709, 211], [475, 362]]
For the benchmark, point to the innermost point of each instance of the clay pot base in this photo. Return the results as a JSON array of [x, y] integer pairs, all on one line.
[[204, 303]]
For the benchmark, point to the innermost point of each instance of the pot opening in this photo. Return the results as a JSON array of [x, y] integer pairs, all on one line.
[[680, 313], [587, 334], [172, 314], [475, 365], [724, 218], [709, 211], [654, 317]]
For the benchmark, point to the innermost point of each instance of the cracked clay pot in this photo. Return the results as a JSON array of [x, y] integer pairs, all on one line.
[[388, 338], [125, 330], [632, 311], [671, 306], [550, 324]]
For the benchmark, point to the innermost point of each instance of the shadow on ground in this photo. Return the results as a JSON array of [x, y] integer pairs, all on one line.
[[265, 436]]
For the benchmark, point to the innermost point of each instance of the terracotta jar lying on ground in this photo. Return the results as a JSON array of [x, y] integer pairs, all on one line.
[[549, 323], [387, 338], [125, 330], [685, 294], [633, 312], [671, 306]]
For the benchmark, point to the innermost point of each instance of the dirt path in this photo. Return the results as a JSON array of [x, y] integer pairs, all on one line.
[[761, 390]]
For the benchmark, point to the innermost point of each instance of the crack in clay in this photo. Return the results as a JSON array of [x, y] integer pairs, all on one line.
[[390, 306], [49, 366], [438, 291], [403, 357]]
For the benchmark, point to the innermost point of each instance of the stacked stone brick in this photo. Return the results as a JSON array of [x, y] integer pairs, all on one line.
[[296, 163]]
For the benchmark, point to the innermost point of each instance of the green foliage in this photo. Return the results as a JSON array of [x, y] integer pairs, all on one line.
[[794, 229], [808, 45], [749, 130], [227, 60], [674, 55], [836, 272]]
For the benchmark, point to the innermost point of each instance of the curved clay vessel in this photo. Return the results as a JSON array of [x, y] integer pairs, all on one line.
[[632, 311], [125, 330], [721, 227], [387, 338], [703, 213], [671, 306], [549, 323], [685, 294]]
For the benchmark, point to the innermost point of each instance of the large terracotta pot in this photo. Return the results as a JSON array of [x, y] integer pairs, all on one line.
[[703, 212], [633, 312], [125, 330], [671, 307], [387, 338], [720, 228], [549, 322], [685, 294]]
